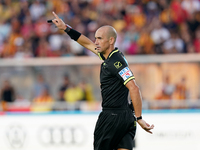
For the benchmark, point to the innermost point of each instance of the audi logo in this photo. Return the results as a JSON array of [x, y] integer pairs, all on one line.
[[62, 135]]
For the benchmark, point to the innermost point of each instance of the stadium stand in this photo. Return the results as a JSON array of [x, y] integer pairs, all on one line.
[[157, 36]]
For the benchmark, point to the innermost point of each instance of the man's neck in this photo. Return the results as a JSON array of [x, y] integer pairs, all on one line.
[[108, 51]]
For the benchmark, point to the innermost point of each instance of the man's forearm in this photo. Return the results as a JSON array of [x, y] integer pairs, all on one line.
[[135, 97], [87, 43], [81, 39], [137, 101]]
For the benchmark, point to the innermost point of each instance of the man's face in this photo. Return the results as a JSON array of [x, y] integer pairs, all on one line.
[[102, 41]]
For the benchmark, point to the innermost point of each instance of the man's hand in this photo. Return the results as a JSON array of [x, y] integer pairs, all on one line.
[[145, 125], [58, 22]]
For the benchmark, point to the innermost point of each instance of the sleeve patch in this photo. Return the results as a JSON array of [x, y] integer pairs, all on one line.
[[125, 73]]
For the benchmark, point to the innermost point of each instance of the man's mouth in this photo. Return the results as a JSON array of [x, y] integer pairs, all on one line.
[[97, 48]]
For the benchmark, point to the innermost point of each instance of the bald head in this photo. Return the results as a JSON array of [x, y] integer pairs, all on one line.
[[109, 31]]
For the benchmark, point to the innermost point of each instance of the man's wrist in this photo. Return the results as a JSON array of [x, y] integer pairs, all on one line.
[[68, 28], [138, 118], [72, 33]]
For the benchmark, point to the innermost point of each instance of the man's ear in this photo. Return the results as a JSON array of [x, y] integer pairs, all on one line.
[[111, 40]]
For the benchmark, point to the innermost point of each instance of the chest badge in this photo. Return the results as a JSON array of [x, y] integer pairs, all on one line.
[[104, 65], [117, 64]]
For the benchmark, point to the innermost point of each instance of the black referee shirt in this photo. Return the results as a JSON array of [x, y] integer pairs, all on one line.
[[114, 75]]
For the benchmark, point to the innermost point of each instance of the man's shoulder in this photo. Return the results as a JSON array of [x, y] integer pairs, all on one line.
[[117, 56], [117, 61]]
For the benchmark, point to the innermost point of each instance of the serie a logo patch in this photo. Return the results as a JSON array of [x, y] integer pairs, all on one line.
[[125, 73]]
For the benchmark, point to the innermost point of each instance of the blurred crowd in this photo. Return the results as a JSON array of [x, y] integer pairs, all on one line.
[[80, 96], [169, 91], [70, 96], [173, 92], [143, 26]]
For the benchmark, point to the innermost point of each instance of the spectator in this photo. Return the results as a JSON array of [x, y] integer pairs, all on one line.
[[130, 40], [190, 6], [87, 91], [159, 35], [44, 97], [152, 10], [166, 18], [44, 49], [4, 49], [22, 51], [73, 94], [5, 30], [24, 12], [13, 39], [41, 28], [178, 13], [43, 102], [137, 16], [63, 88], [167, 90], [7, 94], [186, 36], [39, 86], [197, 41], [27, 28], [181, 92], [173, 45], [55, 41], [145, 42], [37, 9], [163, 4], [65, 50], [190, 48], [192, 23]]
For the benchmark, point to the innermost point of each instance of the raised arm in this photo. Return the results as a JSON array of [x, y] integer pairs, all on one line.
[[87, 43], [81, 39]]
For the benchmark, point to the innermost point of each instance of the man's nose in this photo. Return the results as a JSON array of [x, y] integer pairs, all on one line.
[[96, 42]]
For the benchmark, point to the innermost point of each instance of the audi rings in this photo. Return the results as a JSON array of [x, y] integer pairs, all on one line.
[[62, 135]]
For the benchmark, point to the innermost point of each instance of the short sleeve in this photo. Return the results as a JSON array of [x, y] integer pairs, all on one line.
[[126, 74], [120, 69]]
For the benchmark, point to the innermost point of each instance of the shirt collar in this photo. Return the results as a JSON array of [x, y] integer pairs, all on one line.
[[114, 51]]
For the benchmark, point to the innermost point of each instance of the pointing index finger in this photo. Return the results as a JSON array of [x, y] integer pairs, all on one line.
[[56, 16]]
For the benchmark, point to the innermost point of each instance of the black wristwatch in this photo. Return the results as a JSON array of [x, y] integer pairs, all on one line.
[[68, 28], [138, 118]]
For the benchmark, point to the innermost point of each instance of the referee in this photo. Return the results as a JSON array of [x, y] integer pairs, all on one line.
[[116, 124]]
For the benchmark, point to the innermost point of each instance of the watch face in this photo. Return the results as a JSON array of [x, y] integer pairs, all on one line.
[[67, 29]]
